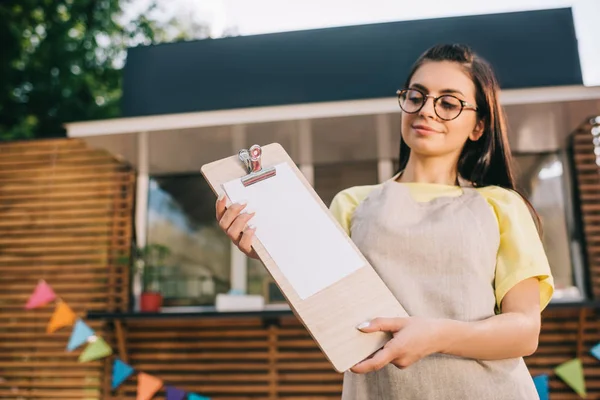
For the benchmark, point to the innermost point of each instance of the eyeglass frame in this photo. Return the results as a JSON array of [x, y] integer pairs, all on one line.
[[463, 104]]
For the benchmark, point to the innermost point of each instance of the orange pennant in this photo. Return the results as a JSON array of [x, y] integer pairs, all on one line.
[[63, 316], [147, 386]]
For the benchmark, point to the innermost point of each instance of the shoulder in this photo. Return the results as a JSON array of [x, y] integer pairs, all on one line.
[[500, 195], [505, 203], [353, 195], [345, 202], [521, 254]]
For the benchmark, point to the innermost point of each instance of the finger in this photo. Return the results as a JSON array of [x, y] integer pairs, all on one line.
[[402, 362], [379, 360], [245, 244], [383, 324], [230, 215], [238, 225], [221, 206]]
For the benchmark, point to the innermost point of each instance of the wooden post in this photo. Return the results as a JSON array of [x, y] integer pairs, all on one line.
[[581, 331], [272, 332]]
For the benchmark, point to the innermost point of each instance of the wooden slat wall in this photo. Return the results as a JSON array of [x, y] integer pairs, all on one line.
[[236, 359], [588, 182], [65, 215], [231, 359]]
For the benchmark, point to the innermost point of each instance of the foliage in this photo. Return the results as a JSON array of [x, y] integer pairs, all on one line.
[[151, 259], [61, 60]]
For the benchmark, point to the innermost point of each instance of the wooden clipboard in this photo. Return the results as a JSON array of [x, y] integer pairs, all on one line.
[[331, 315]]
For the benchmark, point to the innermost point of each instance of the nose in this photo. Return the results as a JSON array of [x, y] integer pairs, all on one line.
[[428, 109]]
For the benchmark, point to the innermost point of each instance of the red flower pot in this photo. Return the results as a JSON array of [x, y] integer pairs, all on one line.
[[151, 302]]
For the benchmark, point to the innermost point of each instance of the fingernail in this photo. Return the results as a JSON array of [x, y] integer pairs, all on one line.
[[247, 210], [221, 196], [363, 325], [252, 226]]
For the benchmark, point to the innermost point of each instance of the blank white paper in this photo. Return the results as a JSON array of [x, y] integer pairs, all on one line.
[[303, 241]]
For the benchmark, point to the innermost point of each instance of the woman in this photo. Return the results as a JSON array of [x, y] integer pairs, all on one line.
[[451, 238]]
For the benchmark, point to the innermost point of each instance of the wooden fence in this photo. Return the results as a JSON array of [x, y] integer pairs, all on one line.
[[65, 216]]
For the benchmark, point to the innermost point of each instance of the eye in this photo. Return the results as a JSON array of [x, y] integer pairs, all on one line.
[[414, 97], [449, 103]]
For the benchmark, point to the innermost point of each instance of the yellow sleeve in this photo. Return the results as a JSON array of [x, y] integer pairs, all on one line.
[[521, 254], [345, 202]]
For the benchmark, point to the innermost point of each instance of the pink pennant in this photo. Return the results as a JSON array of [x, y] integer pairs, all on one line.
[[42, 295]]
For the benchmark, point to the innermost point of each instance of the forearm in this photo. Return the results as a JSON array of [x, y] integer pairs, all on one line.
[[501, 336]]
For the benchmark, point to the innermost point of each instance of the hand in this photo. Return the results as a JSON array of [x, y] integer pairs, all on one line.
[[413, 338], [234, 223]]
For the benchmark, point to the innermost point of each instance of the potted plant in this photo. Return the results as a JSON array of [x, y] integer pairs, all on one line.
[[151, 261]]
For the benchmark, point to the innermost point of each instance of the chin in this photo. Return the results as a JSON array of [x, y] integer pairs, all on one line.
[[425, 147]]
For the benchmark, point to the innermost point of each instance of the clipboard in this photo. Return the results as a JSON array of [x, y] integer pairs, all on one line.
[[330, 312]]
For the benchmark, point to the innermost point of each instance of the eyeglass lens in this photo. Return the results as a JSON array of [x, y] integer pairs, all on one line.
[[446, 106]]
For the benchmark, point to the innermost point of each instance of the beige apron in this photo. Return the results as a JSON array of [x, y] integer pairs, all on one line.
[[438, 258]]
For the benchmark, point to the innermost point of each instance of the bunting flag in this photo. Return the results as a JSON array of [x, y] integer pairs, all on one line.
[[97, 349], [120, 372], [571, 372], [541, 384], [193, 396], [63, 316], [147, 386], [42, 295], [596, 351], [80, 335], [174, 393]]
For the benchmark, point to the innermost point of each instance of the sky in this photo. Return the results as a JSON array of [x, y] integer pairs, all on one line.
[[251, 17]]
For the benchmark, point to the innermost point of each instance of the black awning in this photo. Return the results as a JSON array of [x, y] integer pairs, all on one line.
[[527, 49]]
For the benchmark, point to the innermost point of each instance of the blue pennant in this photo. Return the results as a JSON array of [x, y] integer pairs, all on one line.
[[193, 396], [541, 384], [120, 372], [81, 333], [596, 351]]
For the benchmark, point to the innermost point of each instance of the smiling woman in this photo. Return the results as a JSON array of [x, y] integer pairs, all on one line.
[[453, 241]]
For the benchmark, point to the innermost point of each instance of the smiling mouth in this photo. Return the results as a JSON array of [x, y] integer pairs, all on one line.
[[424, 130]]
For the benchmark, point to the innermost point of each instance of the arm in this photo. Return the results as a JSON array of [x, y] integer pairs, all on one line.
[[514, 333]]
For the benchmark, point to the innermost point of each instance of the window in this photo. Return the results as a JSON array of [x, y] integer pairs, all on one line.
[[181, 217], [543, 179], [330, 179]]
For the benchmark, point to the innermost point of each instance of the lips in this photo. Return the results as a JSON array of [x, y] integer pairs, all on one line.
[[422, 127], [424, 130]]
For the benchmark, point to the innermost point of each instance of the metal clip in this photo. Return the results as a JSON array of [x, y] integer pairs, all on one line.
[[251, 159]]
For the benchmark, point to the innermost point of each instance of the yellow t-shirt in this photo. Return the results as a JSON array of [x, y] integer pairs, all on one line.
[[521, 254]]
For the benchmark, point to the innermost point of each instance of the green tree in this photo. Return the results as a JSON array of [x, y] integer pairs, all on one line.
[[61, 61]]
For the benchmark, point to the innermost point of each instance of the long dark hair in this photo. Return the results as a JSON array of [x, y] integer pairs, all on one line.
[[487, 161]]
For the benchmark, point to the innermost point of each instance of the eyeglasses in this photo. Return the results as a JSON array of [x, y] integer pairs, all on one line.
[[446, 107]]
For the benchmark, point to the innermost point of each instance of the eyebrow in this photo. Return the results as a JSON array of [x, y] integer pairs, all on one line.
[[423, 88]]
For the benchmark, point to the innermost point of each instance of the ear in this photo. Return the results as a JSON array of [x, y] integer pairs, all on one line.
[[477, 131]]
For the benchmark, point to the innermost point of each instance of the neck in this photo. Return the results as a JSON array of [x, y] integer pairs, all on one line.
[[439, 170]]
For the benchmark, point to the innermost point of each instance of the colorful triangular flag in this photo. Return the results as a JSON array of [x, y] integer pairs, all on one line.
[[147, 386], [572, 373], [42, 295], [63, 316], [81, 333], [541, 384], [95, 350], [596, 351], [120, 372], [174, 393], [193, 396]]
